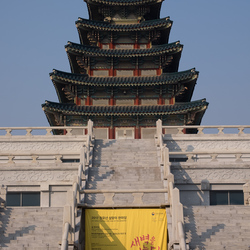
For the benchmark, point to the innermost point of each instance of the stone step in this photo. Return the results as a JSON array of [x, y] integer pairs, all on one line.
[[217, 227], [122, 184], [30, 228], [131, 175], [125, 199], [125, 164]]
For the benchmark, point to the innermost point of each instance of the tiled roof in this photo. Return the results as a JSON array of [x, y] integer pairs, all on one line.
[[124, 2], [96, 51], [106, 26], [72, 109], [165, 78]]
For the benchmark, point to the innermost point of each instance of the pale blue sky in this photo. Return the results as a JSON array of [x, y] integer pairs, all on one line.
[[215, 35]]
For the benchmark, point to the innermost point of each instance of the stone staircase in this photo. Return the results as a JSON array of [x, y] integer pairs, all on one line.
[[126, 164], [30, 228], [218, 227]]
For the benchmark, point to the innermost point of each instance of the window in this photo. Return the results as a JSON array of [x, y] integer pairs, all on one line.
[[178, 159], [226, 198], [22, 199], [70, 160]]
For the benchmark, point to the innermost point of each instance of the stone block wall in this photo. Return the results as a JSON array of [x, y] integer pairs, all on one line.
[[45, 164], [205, 163]]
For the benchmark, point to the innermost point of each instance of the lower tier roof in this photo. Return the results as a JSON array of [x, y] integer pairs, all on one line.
[[72, 109], [189, 113]]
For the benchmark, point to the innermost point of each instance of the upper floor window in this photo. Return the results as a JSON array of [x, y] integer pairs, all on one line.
[[231, 197], [22, 199]]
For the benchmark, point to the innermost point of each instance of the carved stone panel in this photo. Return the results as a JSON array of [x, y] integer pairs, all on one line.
[[206, 145], [31, 177], [189, 176], [40, 146]]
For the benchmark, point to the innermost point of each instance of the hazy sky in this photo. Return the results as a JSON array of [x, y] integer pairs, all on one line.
[[215, 35]]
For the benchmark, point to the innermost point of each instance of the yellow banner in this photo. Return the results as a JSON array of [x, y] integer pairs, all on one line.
[[119, 229]]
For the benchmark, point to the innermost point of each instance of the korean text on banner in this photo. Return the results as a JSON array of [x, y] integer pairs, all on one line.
[[118, 229]]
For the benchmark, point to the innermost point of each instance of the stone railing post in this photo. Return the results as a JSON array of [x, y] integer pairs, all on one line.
[[83, 160], [175, 201], [177, 219], [66, 235], [90, 128], [158, 135], [166, 162]]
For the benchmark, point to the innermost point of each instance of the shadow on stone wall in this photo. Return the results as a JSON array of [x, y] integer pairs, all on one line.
[[8, 229], [190, 197], [197, 234]]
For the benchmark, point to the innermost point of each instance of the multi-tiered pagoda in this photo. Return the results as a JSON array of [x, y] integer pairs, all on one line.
[[124, 73]]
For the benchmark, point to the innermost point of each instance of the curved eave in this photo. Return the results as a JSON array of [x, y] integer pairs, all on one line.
[[186, 79], [176, 109], [123, 2], [73, 50], [91, 51], [86, 80], [85, 25]]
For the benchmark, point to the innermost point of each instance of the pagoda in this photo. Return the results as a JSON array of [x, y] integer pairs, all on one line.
[[124, 73]]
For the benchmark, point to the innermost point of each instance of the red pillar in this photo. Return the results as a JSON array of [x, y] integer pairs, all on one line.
[[78, 101], [137, 100], [111, 101], [137, 133], [88, 101], [111, 133], [111, 46], [158, 72]]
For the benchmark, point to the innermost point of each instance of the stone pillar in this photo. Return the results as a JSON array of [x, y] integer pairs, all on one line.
[[44, 195], [205, 193], [3, 192], [246, 191]]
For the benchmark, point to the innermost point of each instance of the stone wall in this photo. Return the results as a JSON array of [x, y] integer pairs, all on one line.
[[204, 163], [40, 163]]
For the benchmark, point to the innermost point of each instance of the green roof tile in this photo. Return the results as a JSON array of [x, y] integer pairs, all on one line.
[[165, 78], [72, 109], [124, 2], [106, 26], [96, 51]]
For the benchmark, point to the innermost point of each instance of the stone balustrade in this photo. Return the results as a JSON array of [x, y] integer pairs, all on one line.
[[33, 145], [42, 131], [213, 156], [209, 129], [33, 158], [177, 239]]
